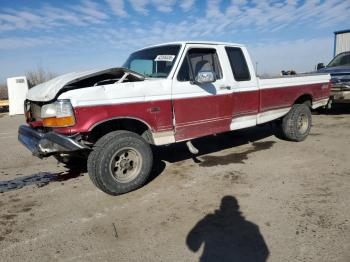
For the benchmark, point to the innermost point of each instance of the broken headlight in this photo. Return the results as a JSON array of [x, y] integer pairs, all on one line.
[[58, 114]]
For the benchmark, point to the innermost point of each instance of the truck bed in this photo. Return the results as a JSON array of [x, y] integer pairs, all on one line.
[[283, 92], [292, 80]]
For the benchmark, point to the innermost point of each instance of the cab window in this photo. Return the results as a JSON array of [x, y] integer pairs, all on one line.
[[238, 64], [199, 59]]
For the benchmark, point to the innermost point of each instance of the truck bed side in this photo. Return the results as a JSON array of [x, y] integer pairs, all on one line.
[[282, 92]]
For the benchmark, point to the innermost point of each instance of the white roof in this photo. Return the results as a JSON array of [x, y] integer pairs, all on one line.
[[194, 42]]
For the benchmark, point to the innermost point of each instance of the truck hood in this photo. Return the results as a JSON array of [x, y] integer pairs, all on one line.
[[336, 70], [51, 89]]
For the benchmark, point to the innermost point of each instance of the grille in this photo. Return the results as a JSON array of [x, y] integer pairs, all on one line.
[[33, 111]]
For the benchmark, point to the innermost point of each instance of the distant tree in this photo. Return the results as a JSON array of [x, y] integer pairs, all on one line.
[[38, 76], [3, 92]]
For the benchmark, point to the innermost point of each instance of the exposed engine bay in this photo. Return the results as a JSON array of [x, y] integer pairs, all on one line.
[[75, 81], [48, 91], [105, 77]]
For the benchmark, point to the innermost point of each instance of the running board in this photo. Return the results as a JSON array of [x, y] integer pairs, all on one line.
[[191, 147]]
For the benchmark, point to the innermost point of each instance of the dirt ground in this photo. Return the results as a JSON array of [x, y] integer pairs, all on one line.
[[248, 196]]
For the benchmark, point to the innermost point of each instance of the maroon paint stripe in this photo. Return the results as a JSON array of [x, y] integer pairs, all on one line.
[[195, 116]]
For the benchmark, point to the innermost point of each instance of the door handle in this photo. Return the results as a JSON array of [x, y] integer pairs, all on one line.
[[225, 88]]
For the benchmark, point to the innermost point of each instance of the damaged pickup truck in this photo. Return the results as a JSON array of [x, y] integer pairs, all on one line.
[[163, 94]]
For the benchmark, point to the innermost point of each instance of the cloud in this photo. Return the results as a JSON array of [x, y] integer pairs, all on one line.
[[253, 15], [265, 15], [213, 8], [301, 55], [112, 25], [140, 6], [91, 9], [60, 17], [20, 20], [31, 42], [118, 7], [186, 5], [48, 16], [164, 6]]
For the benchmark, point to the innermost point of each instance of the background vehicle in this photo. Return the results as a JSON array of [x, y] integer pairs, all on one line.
[[339, 68], [163, 94]]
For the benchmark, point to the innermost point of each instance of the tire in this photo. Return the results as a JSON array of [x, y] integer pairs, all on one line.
[[120, 162], [296, 125]]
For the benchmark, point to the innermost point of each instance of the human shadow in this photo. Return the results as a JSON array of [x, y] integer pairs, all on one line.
[[228, 236]]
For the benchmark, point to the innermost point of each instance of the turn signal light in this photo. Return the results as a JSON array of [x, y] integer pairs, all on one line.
[[59, 122]]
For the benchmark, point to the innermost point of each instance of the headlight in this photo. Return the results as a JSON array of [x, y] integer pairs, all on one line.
[[58, 114]]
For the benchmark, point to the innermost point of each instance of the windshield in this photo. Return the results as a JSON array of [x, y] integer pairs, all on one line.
[[342, 59], [153, 62]]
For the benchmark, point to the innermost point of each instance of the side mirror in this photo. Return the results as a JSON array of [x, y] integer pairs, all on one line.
[[205, 77], [319, 66]]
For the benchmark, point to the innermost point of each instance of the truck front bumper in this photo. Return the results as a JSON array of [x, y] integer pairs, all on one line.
[[340, 93], [46, 144]]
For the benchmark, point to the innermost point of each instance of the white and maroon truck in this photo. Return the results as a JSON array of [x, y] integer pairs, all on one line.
[[163, 94]]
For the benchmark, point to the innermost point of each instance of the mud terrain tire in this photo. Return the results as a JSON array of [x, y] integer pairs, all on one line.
[[296, 125], [120, 162]]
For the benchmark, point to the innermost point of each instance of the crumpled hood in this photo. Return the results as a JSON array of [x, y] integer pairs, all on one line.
[[48, 90]]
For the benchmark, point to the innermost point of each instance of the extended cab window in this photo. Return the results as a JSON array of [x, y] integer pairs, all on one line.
[[199, 59], [238, 64]]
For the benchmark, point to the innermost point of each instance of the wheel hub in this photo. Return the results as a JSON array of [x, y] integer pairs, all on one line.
[[125, 165], [302, 123]]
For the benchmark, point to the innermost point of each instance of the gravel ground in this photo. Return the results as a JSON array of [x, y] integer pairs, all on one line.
[[248, 196]]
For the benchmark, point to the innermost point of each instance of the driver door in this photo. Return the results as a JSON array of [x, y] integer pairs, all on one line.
[[201, 109]]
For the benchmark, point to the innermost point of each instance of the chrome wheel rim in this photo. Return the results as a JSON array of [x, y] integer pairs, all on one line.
[[125, 164], [302, 123]]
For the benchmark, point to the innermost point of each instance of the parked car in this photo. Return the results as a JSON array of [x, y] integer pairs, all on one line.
[[163, 94], [339, 68]]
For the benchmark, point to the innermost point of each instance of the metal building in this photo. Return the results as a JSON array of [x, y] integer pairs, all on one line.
[[341, 41]]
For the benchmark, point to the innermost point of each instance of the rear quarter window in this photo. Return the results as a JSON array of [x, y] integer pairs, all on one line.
[[238, 64]]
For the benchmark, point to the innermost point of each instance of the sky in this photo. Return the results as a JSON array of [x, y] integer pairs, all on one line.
[[66, 36]]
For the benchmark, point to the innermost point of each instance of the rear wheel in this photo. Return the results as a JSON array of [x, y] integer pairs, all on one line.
[[296, 125], [120, 162]]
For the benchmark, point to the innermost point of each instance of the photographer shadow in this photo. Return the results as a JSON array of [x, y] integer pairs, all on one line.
[[228, 236]]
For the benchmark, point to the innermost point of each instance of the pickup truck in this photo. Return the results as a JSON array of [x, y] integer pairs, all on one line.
[[339, 69], [163, 94]]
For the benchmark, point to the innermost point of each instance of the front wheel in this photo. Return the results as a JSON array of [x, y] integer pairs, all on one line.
[[120, 162], [296, 125]]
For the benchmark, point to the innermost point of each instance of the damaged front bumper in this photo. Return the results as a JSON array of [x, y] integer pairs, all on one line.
[[47, 144], [340, 93]]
